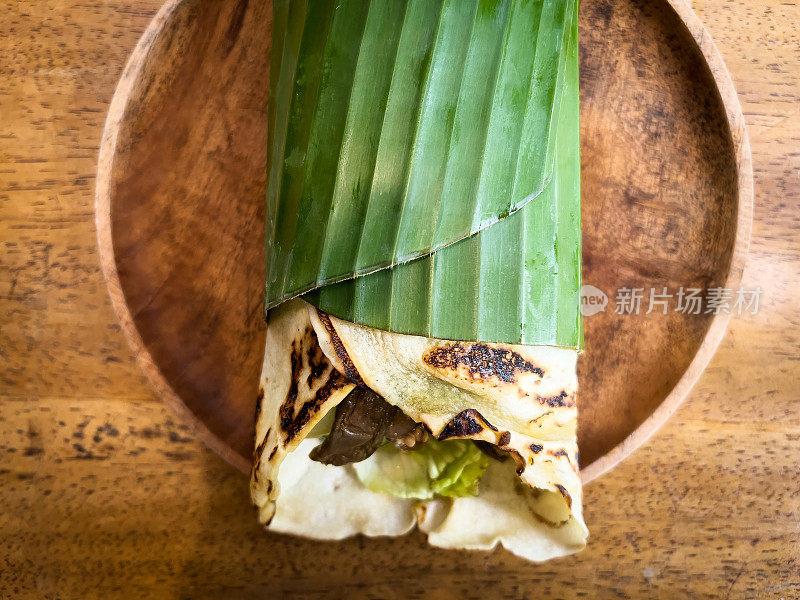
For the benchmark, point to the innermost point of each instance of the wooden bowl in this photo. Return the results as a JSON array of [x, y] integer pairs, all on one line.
[[667, 202]]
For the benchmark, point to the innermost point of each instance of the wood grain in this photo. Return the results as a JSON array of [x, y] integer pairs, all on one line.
[[709, 507], [180, 212]]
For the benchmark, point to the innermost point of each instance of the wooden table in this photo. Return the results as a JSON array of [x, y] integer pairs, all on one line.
[[104, 493]]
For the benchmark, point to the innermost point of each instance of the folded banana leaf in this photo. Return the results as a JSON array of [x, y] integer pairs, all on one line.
[[424, 166]]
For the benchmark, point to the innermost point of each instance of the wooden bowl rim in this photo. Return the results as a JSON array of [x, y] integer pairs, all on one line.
[[641, 434], [105, 240], [719, 324]]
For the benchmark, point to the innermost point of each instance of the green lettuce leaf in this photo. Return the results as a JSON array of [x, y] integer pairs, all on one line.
[[452, 468]]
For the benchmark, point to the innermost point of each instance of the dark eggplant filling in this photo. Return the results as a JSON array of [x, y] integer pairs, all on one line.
[[363, 420]]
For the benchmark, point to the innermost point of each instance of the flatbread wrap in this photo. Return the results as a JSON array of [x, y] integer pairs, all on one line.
[[519, 399], [423, 260]]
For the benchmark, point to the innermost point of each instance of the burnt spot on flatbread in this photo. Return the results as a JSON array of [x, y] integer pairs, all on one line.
[[466, 423], [292, 421], [562, 400], [518, 459], [536, 448], [296, 361], [565, 493], [317, 363], [561, 452], [540, 417], [272, 454], [504, 439], [260, 448], [259, 403], [480, 361], [336, 381], [258, 453], [349, 368]]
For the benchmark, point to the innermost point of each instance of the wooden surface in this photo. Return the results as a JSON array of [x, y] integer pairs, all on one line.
[[181, 209], [180, 212], [105, 493]]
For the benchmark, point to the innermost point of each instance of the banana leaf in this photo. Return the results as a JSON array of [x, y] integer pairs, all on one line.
[[424, 166]]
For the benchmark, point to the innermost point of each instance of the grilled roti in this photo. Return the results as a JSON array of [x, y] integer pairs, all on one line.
[[520, 399]]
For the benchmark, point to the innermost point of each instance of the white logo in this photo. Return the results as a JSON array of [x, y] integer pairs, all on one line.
[[593, 300]]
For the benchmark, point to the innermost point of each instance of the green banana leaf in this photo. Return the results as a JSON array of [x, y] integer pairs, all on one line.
[[424, 166]]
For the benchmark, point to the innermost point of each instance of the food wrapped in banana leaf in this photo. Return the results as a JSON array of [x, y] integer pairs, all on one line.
[[518, 399], [423, 274]]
